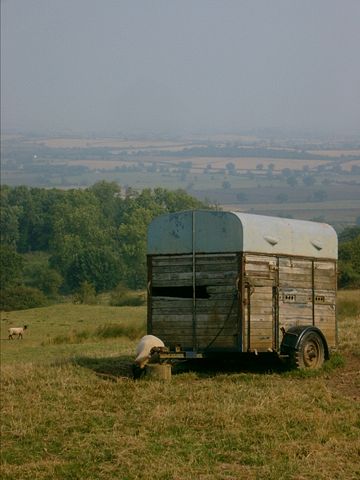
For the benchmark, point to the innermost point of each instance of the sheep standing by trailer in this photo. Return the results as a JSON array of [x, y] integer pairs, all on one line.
[[17, 332], [231, 283]]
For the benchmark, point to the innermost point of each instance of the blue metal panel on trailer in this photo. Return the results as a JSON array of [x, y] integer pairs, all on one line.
[[214, 232], [170, 234]]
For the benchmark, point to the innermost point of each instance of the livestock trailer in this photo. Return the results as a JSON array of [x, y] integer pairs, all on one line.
[[232, 283]]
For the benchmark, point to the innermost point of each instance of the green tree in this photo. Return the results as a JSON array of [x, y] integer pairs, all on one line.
[[9, 224], [174, 201], [11, 266], [231, 169], [132, 232], [92, 235], [82, 239], [46, 279], [349, 263], [292, 181], [20, 297], [34, 215], [86, 294], [108, 195], [99, 266], [132, 247], [349, 233]]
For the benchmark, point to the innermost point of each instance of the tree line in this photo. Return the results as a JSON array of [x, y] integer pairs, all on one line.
[[349, 258], [61, 241], [95, 235]]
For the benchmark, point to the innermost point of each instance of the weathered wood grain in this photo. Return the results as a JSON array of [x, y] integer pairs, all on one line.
[[186, 341], [275, 292], [201, 319]]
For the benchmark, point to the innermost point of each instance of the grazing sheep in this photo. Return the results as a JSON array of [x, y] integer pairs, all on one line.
[[143, 353], [143, 350], [17, 331]]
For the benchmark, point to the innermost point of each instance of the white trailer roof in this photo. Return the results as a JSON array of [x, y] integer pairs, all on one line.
[[207, 231]]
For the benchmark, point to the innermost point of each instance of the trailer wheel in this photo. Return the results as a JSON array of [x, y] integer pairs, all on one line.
[[310, 352]]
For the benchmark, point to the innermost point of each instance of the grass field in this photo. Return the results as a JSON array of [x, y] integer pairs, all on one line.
[[70, 409]]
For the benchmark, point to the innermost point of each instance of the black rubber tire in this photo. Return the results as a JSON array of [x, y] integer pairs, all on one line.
[[310, 353]]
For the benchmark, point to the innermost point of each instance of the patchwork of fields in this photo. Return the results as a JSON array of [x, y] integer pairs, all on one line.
[[314, 179]]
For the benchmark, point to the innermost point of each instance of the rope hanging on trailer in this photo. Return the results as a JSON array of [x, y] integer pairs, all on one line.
[[225, 321]]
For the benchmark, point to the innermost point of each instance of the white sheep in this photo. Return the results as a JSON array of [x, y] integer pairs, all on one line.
[[144, 347], [17, 331]]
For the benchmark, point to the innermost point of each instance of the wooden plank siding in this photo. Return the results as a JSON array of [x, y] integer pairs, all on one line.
[[295, 292], [260, 278], [242, 299], [216, 308], [325, 300], [258, 309]]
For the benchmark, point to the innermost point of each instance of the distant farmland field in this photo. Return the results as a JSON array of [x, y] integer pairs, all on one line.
[[259, 192], [333, 213], [336, 153], [111, 143], [295, 177], [200, 163], [250, 163]]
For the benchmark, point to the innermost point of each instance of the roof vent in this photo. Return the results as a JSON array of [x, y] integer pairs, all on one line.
[[317, 244], [272, 240]]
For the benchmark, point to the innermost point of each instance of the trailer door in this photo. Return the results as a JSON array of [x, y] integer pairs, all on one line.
[[260, 312], [193, 301]]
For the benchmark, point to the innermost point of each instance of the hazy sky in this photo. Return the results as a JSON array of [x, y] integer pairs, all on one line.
[[178, 66]]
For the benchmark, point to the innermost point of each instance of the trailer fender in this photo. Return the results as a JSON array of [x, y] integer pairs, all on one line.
[[293, 336]]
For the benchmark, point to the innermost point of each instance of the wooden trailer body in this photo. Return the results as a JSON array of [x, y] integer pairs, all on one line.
[[228, 282]]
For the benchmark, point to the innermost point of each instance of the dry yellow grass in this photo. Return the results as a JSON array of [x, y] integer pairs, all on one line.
[[348, 311], [80, 416]]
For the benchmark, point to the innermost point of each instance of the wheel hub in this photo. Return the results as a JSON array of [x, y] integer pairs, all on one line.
[[311, 354]]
